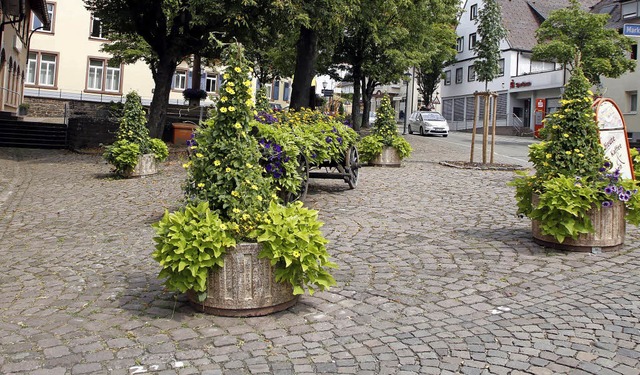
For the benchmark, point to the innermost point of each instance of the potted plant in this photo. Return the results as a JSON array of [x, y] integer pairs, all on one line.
[[134, 153], [234, 248], [574, 198], [384, 147], [194, 94], [23, 109]]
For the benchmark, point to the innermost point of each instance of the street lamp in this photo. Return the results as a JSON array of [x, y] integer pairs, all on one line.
[[406, 78]]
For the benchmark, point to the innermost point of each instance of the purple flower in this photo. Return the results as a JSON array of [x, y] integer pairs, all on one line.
[[268, 168], [276, 174], [339, 140], [277, 148], [609, 189], [334, 130], [329, 139], [607, 204], [602, 169], [623, 197], [607, 164]]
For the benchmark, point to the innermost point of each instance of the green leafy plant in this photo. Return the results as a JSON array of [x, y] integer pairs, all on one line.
[[385, 133], [572, 175], [189, 242], [133, 138], [292, 240], [230, 194]]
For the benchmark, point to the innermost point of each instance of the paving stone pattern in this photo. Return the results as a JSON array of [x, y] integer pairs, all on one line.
[[437, 276]]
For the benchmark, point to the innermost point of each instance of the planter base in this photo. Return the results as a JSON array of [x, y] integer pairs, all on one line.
[[609, 225], [389, 157], [245, 286], [147, 165], [182, 132]]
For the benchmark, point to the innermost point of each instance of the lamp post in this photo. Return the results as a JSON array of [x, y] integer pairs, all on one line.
[[406, 78], [324, 89]]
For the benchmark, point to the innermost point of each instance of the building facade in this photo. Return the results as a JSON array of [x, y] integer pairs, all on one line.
[[65, 62], [16, 17], [527, 89]]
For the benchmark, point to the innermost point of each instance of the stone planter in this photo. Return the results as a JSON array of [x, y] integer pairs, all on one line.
[[609, 225], [182, 132], [147, 165], [389, 157], [245, 286]]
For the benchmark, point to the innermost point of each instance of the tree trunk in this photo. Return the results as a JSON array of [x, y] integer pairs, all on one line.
[[368, 86], [356, 117], [158, 110], [306, 56], [195, 78]]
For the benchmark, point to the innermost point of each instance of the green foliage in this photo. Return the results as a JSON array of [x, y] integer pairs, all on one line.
[[562, 209], [292, 241], [385, 133], [262, 102], [159, 149], [490, 33], [123, 155], [572, 175], [189, 243], [580, 38], [133, 138], [224, 168]]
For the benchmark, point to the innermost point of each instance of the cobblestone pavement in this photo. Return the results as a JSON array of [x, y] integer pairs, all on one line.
[[437, 276]]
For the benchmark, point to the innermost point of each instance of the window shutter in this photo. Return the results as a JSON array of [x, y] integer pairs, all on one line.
[[203, 80], [189, 79]]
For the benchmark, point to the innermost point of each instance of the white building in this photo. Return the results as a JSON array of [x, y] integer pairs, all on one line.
[[523, 84]]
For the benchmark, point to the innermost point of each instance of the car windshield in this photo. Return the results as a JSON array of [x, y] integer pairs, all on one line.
[[432, 116]]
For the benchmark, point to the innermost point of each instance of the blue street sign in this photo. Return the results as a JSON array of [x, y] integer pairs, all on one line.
[[631, 29]]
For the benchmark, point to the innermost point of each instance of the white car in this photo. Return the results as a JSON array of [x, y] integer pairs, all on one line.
[[428, 122]]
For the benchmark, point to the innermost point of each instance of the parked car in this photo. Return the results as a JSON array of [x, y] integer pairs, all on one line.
[[277, 107], [428, 122]]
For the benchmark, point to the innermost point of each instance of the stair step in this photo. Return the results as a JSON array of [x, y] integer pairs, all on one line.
[[14, 133]]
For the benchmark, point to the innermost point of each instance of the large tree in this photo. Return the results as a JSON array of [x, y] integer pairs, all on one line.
[[440, 44], [573, 36], [162, 33]]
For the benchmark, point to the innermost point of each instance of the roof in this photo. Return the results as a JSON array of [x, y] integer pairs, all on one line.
[[39, 8], [522, 18], [613, 8]]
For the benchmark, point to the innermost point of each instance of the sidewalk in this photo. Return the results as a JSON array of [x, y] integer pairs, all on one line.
[[437, 276]]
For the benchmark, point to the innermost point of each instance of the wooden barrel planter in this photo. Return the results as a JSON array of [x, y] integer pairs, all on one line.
[[147, 165], [245, 286], [609, 225], [389, 157]]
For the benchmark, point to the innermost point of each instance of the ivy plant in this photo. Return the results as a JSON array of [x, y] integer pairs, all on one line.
[[385, 133]]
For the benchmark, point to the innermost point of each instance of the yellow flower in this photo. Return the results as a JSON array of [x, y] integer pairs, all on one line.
[[199, 155], [225, 76], [237, 125], [568, 152], [216, 162], [194, 147], [581, 155], [223, 99], [249, 102], [249, 165], [229, 90], [232, 108], [589, 92], [185, 165], [254, 187], [549, 156], [246, 217], [223, 227], [201, 185], [576, 149], [565, 135], [228, 170], [296, 254], [237, 69], [247, 83], [223, 109], [556, 127], [235, 193], [231, 84], [236, 211], [259, 197]]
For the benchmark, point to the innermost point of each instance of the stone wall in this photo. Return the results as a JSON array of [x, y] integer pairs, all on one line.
[[91, 132]]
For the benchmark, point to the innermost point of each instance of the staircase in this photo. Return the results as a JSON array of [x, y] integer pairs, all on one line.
[[17, 133]]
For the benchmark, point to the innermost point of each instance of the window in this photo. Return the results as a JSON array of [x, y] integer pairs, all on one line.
[[473, 12], [500, 67], [459, 75], [472, 40], [634, 52], [37, 24], [94, 79], [287, 91], [180, 80], [210, 83], [471, 74], [460, 44], [447, 78], [32, 66], [276, 90], [47, 70], [96, 28], [630, 9], [633, 101], [102, 77]]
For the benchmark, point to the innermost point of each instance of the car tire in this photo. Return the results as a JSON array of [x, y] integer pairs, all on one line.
[[422, 131], [446, 135], [409, 130]]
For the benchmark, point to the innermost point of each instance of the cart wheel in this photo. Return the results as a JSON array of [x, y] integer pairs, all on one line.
[[353, 164], [303, 170]]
